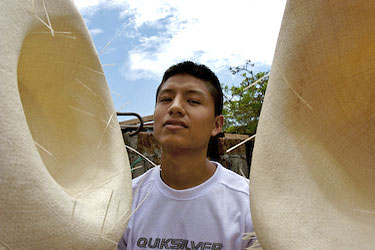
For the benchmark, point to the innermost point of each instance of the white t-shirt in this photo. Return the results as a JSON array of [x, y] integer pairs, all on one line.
[[213, 215]]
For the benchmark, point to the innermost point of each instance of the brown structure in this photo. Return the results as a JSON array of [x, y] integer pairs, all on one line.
[[238, 160]]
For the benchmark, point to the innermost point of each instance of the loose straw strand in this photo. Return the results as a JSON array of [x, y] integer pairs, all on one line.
[[105, 129], [56, 32], [241, 143], [242, 173], [106, 212], [118, 209], [108, 65], [42, 148], [59, 33], [135, 193], [254, 83], [82, 111], [80, 65], [365, 211], [101, 51], [290, 87], [5, 245], [74, 208], [109, 240], [105, 106], [49, 26], [115, 93], [49, 21], [92, 187], [135, 168], [144, 157], [123, 106], [85, 86], [88, 114], [252, 236], [135, 210]]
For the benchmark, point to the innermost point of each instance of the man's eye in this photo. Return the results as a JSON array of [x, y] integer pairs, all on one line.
[[165, 99], [192, 101]]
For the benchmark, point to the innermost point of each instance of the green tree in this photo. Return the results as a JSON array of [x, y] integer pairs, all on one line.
[[242, 104]]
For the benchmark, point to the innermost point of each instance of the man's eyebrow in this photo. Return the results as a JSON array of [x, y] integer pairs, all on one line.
[[166, 91], [194, 92], [187, 92]]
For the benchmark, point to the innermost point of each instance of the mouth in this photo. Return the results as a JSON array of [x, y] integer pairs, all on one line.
[[173, 123]]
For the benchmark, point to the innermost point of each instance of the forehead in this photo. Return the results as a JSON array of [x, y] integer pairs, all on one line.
[[184, 82]]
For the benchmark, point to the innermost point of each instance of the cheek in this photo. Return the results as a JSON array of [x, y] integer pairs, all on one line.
[[156, 120], [159, 115], [205, 117], [205, 124]]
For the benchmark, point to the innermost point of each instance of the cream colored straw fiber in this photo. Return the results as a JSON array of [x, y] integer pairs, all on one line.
[[64, 171], [313, 171]]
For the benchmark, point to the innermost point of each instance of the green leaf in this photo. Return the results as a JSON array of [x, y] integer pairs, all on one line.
[[242, 108]]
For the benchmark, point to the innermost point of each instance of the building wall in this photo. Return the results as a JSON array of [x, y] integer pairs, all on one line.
[[237, 160]]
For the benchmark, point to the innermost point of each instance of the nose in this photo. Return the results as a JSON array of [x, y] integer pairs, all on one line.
[[176, 108]]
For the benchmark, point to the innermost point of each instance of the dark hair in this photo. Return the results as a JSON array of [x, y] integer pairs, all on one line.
[[201, 72]]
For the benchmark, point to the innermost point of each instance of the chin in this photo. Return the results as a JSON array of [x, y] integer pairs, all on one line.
[[172, 143]]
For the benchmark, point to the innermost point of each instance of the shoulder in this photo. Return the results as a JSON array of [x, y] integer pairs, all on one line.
[[146, 179], [234, 182], [235, 189]]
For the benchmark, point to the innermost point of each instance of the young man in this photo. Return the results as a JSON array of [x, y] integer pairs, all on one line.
[[188, 202]]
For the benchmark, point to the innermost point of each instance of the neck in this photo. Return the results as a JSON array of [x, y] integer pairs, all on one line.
[[183, 171]]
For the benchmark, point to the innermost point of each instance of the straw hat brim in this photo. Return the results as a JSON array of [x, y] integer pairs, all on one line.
[[313, 168], [65, 180]]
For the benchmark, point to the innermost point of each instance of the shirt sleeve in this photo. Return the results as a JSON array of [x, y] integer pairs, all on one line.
[[122, 243], [249, 238]]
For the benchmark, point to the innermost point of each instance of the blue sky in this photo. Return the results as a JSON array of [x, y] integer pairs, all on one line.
[[139, 39]]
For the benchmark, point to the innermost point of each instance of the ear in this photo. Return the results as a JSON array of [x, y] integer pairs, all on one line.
[[218, 125]]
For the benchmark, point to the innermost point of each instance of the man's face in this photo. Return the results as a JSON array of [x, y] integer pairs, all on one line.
[[184, 117]]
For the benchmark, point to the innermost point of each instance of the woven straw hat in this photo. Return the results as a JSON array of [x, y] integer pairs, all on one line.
[[64, 172], [313, 169]]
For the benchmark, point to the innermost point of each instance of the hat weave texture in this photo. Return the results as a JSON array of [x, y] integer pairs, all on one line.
[[64, 172], [313, 170]]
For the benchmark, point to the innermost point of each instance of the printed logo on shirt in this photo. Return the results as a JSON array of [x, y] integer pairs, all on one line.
[[177, 244]]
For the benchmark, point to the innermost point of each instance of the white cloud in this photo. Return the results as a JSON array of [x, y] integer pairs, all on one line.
[[215, 32], [146, 11], [95, 32], [88, 7], [82, 4]]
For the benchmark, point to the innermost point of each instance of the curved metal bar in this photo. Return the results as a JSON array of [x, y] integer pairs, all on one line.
[[136, 115]]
